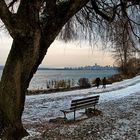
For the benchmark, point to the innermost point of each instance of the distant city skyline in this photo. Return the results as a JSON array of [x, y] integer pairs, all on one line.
[[60, 54], [93, 67]]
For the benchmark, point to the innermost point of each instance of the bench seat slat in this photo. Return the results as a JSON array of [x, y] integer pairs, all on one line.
[[84, 101], [84, 105], [88, 98]]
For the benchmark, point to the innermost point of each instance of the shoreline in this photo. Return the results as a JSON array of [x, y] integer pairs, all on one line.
[[53, 90], [110, 80], [48, 91]]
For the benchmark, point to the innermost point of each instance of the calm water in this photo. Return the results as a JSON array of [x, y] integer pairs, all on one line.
[[41, 76]]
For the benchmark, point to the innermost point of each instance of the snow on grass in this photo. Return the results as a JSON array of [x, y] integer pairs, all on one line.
[[47, 106]]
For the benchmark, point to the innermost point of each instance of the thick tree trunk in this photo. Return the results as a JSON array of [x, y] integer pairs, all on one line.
[[26, 54], [24, 58]]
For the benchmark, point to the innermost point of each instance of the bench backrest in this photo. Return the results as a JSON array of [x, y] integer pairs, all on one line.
[[84, 102]]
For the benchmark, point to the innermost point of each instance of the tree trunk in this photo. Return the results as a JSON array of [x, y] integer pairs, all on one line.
[[32, 38], [25, 56]]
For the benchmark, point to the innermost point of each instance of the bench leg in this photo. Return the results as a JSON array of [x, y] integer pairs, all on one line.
[[94, 108], [64, 114], [74, 114]]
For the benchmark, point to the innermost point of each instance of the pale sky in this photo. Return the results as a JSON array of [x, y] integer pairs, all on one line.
[[60, 54]]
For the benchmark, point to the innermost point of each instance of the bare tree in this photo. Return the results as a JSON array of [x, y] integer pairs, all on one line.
[[34, 25], [124, 42], [122, 33], [124, 47]]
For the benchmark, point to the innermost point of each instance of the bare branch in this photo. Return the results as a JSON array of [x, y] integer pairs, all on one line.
[[7, 17], [102, 14], [63, 12], [12, 3], [50, 7]]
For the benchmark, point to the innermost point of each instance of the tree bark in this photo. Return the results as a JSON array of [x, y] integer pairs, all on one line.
[[26, 54], [23, 60]]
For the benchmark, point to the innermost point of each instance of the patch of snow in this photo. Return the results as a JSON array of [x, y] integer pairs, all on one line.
[[47, 106], [33, 133]]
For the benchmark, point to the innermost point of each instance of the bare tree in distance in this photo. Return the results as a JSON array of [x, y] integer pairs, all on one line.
[[123, 38], [34, 25], [124, 46]]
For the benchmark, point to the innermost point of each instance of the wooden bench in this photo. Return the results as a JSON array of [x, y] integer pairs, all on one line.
[[83, 103]]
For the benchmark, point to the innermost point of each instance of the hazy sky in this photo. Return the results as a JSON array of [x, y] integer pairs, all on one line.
[[61, 54]]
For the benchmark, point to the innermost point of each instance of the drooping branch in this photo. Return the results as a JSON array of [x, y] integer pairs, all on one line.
[[90, 16], [63, 12], [102, 14]]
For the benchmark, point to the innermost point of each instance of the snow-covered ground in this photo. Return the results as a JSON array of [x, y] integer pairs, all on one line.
[[46, 106]]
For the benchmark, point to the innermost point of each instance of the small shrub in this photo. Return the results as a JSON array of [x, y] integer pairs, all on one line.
[[61, 84], [84, 83]]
